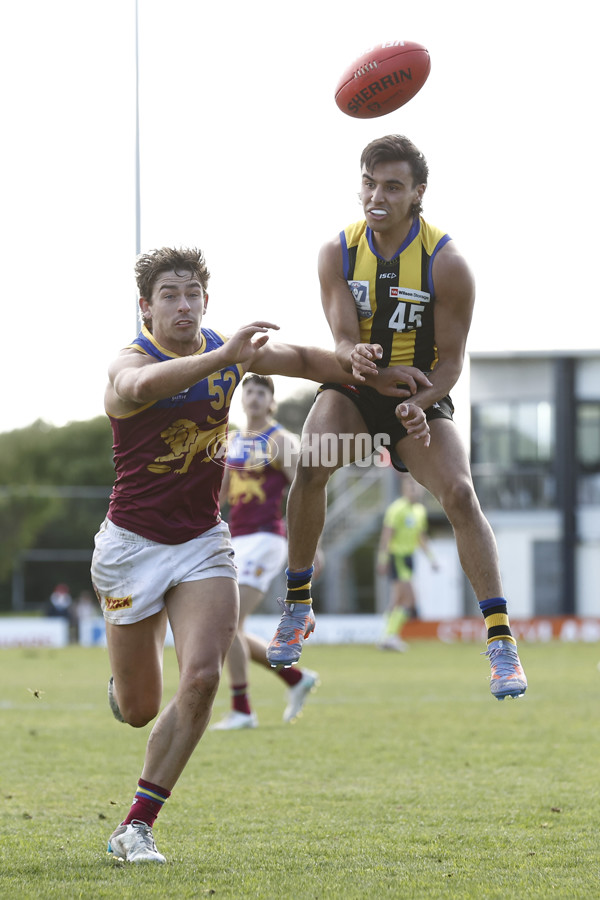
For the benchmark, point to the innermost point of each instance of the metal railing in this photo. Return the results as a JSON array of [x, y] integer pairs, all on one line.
[[514, 489], [357, 499]]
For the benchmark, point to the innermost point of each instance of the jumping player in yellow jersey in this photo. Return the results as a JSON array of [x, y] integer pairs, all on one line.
[[395, 290]]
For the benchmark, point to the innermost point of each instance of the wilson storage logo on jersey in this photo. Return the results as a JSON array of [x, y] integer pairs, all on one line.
[[410, 294], [360, 292], [411, 305]]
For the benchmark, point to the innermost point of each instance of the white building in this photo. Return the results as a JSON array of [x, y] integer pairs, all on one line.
[[535, 454]]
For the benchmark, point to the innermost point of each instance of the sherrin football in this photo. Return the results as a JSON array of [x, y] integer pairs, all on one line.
[[383, 79]]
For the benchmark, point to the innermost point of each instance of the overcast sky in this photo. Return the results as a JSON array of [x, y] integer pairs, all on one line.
[[245, 154]]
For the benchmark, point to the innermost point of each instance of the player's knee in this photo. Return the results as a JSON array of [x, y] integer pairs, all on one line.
[[459, 499], [311, 473], [200, 684], [139, 711]]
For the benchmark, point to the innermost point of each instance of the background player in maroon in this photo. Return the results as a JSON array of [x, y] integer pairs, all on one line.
[[261, 461]]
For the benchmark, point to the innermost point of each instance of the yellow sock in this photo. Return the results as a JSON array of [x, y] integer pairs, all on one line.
[[495, 615], [299, 586]]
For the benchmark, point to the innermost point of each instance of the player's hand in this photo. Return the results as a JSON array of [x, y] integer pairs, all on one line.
[[399, 381], [414, 420], [241, 347], [363, 360]]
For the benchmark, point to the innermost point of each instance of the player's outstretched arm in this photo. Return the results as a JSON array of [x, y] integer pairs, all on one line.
[[295, 361], [136, 379]]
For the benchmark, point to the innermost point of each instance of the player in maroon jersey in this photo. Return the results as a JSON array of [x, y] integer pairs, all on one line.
[[163, 555], [261, 461]]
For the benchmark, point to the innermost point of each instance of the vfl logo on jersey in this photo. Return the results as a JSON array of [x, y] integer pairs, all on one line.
[[410, 294], [360, 292]]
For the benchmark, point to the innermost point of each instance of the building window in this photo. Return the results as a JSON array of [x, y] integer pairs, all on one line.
[[588, 452], [512, 452], [588, 436]]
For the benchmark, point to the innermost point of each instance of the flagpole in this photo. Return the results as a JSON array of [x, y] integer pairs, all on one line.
[[137, 136]]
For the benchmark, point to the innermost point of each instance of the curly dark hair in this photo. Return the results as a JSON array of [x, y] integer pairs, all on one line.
[[397, 148], [150, 265]]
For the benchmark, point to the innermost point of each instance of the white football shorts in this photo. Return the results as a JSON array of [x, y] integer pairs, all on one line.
[[259, 558], [132, 574]]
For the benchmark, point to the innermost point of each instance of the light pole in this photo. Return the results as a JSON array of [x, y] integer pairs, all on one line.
[[137, 155]]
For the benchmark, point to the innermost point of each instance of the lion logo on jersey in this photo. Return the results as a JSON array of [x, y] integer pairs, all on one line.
[[245, 487], [185, 441]]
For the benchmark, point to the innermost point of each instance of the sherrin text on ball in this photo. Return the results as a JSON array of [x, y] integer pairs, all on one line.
[[383, 79]]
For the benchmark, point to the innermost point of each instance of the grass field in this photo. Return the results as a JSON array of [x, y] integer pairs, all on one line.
[[404, 778]]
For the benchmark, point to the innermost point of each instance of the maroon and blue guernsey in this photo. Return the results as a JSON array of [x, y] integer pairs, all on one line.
[[169, 455], [256, 484]]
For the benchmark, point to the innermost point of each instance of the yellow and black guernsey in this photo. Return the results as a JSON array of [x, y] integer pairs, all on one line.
[[395, 298]]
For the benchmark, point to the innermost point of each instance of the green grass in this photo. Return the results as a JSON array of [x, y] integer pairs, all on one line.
[[403, 779]]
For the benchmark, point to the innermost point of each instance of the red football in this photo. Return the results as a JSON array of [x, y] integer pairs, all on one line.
[[383, 79]]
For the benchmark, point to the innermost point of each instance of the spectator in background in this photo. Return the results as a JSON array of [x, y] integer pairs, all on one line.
[[60, 606], [60, 602], [85, 608]]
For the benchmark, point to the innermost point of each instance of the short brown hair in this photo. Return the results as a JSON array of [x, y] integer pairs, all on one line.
[[150, 265], [263, 380]]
